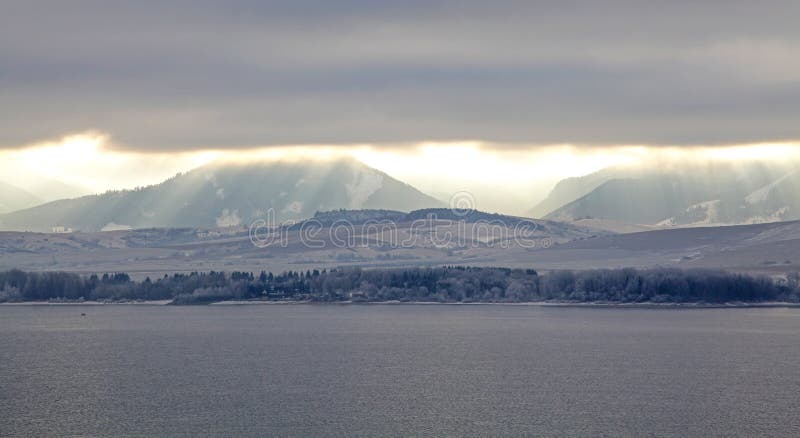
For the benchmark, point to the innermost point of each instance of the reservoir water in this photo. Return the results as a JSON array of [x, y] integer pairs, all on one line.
[[397, 370]]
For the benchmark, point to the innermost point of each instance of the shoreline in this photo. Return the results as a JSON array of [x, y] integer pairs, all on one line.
[[688, 305], [89, 303]]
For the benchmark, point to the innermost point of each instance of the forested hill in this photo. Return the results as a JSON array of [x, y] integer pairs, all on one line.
[[442, 284]]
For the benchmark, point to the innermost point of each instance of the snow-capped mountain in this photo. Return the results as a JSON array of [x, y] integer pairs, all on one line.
[[719, 194], [225, 195]]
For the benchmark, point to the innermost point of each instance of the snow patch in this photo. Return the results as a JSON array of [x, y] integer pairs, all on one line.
[[111, 226], [294, 207], [228, 219], [365, 183], [762, 194], [711, 209], [667, 223], [221, 193], [776, 216], [210, 177]]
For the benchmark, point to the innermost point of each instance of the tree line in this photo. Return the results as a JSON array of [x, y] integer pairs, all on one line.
[[434, 284]]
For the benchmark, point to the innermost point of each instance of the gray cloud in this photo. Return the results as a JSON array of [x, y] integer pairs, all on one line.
[[183, 75]]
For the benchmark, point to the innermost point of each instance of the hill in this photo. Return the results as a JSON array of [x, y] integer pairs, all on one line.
[[384, 238], [718, 194], [771, 248], [340, 237], [228, 195]]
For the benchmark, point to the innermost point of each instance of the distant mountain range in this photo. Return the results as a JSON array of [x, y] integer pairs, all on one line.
[[715, 194], [570, 189], [38, 191], [223, 195], [231, 195], [14, 198], [51, 189]]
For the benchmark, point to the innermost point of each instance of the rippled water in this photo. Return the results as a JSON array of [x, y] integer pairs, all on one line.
[[397, 370]]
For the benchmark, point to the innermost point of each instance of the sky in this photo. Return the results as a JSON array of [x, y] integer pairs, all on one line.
[[511, 93]]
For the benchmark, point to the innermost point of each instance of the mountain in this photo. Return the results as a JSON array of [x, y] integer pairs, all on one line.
[[570, 189], [13, 198], [716, 194], [51, 189], [225, 195]]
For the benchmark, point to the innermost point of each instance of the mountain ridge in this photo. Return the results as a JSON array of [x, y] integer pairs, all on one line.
[[690, 196], [228, 194], [13, 198]]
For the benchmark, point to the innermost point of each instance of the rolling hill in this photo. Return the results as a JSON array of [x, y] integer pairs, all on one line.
[[329, 239], [772, 248]]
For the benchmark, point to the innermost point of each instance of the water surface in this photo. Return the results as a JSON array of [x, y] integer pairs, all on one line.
[[397, 370]]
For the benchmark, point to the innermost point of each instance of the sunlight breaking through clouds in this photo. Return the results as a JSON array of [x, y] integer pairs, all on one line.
[[500, 176], [87, 160]]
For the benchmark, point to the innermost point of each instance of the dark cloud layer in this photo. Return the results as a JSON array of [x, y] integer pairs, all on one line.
[[197, 74]]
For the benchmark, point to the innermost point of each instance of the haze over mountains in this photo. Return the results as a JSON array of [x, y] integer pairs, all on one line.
[[36, 192], [48, 189], [689, 195], [229, 194], [14, 198], [199, 220]]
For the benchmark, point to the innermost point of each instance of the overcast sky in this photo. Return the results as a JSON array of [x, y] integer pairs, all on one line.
[[161, 76]]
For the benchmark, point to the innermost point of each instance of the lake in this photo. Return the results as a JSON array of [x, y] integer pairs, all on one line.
[[307, 370]]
